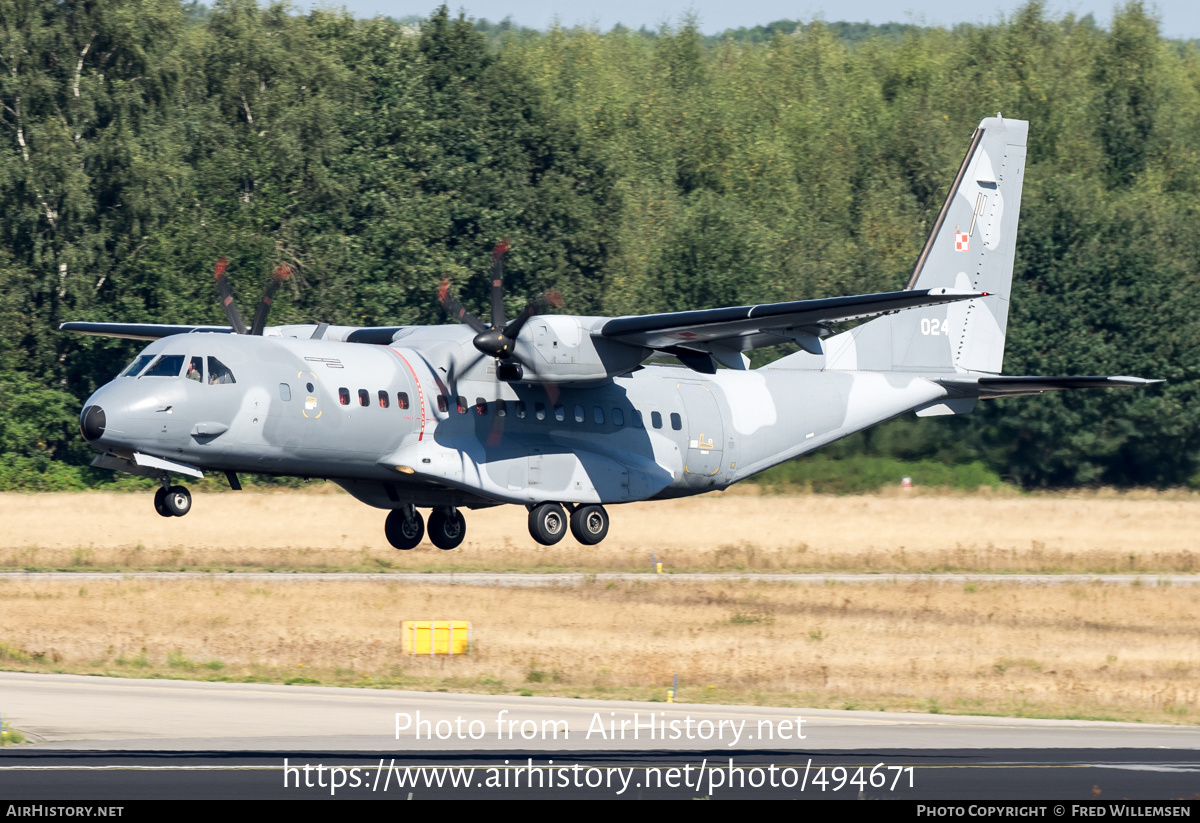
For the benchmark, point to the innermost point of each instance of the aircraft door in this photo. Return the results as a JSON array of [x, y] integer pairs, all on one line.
[[705, 430]]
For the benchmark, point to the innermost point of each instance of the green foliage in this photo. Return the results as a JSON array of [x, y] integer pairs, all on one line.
[[634, 171]]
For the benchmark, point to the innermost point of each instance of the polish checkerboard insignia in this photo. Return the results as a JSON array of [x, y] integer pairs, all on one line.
[[962, 241]]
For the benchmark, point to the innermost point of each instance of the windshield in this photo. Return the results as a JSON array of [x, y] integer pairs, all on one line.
[[166, 366], [136, 366]]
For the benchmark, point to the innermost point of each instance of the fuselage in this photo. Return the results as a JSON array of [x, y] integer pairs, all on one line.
[[428, 423]]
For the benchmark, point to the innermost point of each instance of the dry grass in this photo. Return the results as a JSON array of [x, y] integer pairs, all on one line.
[[1092, 533], [1093, 651]]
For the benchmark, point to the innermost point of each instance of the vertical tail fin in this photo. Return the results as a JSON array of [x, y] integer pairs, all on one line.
[[971, 247]]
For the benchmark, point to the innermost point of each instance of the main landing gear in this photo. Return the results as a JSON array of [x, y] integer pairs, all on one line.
[[172, 501], [404, 528], [548, 524]]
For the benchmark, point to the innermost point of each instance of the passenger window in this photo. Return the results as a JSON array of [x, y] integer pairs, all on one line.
[[676, 421], [169, 365], [579, 415], [539, 411], [285, 391], [618, 417], [480, 406], [344, 397], [598, 415], [195, 369], [638, 422], [501, 408], [462, 404], [364, 397], [560, 414], [384, 401], [656, 420], [443, 403], [137, 365], [521, 409], [218, 373], [402, 400]]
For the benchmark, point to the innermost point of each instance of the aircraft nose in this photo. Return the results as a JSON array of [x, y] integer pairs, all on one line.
[[91, 423]]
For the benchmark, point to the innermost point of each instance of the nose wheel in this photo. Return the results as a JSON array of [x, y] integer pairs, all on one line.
[[404, 528], [172, 501]]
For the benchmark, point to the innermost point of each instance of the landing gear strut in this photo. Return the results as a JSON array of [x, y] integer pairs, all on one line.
[[447, 528], [172, 501], [404, 528]]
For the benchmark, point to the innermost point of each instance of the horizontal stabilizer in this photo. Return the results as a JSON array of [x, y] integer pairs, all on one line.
[[746, 327], [987, 388], [139, 331]]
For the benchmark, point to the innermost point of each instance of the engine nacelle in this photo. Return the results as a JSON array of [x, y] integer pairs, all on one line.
[[562, 349]]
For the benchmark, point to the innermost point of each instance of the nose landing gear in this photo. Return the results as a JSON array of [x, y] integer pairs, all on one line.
[[172, 501]]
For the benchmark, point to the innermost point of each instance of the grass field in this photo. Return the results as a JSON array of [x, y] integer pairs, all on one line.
[[1090, 533], [1088, 651]]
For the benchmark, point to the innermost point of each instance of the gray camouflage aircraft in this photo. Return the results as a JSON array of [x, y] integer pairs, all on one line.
[[562, 413]]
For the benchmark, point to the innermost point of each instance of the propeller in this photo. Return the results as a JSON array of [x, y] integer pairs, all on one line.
[[282, 272], [499, 339]]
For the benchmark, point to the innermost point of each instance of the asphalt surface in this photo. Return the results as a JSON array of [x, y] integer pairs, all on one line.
[[98, 739], [520, 580]]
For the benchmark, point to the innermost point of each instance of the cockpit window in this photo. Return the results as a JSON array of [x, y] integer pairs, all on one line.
[[168, 365], [137, 365], [218, 372], [195, 369]]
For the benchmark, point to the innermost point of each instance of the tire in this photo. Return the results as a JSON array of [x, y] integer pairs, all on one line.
[[589, 524], [547, 523], [446, 529], [160, 502], [402, 532], [178, 500]]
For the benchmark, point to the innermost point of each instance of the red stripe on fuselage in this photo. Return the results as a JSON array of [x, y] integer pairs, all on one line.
[[420, 392]]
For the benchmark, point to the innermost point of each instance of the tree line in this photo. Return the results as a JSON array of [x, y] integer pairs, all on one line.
[[632, 171]]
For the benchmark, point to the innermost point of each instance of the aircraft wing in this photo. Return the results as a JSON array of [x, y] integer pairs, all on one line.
[[138, 331], [721, 332], [989, 388]]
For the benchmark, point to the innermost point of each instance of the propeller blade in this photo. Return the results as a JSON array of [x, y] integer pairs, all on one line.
[[541, 305], [456, 309], [498, 284], [226, 293], [282, 272]]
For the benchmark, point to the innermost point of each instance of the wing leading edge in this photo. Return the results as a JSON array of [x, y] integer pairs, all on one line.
[[738, 329], [138, 331]]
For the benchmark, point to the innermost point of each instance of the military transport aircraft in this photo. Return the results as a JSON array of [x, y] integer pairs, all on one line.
[[564, 414]]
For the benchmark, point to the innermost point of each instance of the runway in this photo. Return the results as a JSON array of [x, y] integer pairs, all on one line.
[[99, 738], [523, 580]]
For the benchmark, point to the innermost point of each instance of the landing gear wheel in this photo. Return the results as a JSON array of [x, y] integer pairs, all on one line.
[[589, 524], [404, 529], [160, 502], [178, 500], [447, 528], [547, 523]]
